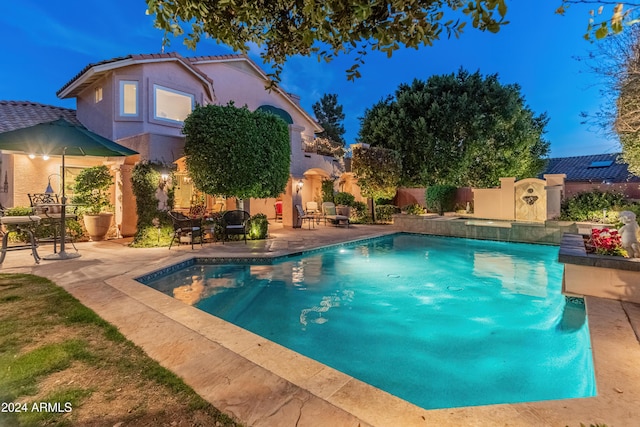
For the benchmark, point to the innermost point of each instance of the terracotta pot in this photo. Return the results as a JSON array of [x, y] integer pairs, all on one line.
[[98, 225]]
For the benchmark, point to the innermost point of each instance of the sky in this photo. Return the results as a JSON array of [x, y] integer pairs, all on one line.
[[47, 42]]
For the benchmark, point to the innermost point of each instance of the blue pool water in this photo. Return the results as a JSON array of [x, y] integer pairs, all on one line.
[[440, 322]]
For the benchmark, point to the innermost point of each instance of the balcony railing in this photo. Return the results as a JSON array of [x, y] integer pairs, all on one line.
[[324, 147]]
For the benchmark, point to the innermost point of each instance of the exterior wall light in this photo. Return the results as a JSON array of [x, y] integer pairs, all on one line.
[[164, 179], [299, 185]]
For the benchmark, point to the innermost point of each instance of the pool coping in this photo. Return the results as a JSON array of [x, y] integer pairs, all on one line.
[[296, 390]]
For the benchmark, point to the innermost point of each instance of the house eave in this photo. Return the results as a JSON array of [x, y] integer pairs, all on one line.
[[96, 72]]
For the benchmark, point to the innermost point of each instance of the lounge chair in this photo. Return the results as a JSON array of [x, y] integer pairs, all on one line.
[[302, 216], [329, 213], [185, 229], [235, 222]]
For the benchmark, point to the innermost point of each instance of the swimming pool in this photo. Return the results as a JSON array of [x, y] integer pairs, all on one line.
[[440, 322]]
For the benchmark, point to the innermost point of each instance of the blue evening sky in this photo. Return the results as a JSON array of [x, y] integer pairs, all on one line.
[[46, 43]]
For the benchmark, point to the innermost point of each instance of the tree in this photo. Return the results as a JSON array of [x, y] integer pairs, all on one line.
[[622, 13], [283, 28], [627, 105], [234, 152], [459, 129], [378, 171], [330, 116], [616, 59]]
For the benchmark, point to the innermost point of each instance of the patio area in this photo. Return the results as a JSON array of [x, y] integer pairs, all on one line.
[[263, 384]]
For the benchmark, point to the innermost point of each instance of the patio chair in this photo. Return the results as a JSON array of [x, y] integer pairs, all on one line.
[[329, 213], [302, 216], [49, 208], [312, 208], [185, 229], [278, 208], [235, 222]]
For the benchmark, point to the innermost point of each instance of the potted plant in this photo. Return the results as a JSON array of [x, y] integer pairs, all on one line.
[[91, 191]]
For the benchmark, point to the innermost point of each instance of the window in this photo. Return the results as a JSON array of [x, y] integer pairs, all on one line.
[[128, 98], [98, 94], [171, 105]]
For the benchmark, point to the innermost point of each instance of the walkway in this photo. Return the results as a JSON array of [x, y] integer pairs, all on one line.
[[264, 384]]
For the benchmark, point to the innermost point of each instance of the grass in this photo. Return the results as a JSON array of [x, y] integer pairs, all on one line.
[[61, 364]]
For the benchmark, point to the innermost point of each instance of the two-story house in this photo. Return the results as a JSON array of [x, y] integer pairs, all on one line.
[[141, 101]]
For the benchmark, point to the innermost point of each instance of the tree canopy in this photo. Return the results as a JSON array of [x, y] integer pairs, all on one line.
[[599, 26], [330, 116], [234, 152], [461, 129], [283, 28], [378, 171]]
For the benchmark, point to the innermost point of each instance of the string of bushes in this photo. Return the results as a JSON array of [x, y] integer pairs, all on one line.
[[597, 206]]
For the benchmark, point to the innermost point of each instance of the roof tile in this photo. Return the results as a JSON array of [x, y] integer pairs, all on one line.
[[22, 114], [578, 168]]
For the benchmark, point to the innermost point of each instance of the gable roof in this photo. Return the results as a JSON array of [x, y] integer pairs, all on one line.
[[92, 72], [21, 114], [596, 168]]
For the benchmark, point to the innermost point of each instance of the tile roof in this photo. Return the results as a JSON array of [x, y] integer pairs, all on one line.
[[22, 114], [189, 62], [607, 168]]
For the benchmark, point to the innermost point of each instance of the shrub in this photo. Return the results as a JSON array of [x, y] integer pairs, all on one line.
[[384, 201], [45, 229], [258, 227], [344, 199], [384, 212], [414, 209], [591, 206], [359, 213], [144, 179], [327, 190], [91, 189], [441, 198]]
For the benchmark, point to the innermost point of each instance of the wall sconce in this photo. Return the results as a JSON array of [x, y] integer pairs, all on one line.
[[299, 185], [164, 179]]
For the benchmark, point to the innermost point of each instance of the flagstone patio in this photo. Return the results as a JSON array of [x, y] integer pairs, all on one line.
[[263, 384]]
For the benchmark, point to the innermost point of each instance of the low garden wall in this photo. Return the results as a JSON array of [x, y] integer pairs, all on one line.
[[549, 232], [601, 276]]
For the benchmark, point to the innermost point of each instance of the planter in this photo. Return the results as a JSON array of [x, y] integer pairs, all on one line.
[[343, 210], [98, 225], [602, 276]]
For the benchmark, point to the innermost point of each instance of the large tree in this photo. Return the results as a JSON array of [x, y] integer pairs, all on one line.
[[616, 60], [461, 129], [235, 152], [283, 28], [330, 116]]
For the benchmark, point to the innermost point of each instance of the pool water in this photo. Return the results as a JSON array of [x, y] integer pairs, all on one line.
[[440, 322]]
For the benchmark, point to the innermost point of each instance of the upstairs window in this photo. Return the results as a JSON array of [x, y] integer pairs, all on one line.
[[128, 98], [98, 94], [171, 105]]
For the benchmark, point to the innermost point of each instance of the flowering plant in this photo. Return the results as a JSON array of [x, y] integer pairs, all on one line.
[[607, 242]]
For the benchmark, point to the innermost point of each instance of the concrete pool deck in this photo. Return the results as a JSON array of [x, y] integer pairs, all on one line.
[[263, 384]]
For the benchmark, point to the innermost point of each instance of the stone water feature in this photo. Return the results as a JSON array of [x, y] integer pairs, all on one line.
[[531, 199]]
